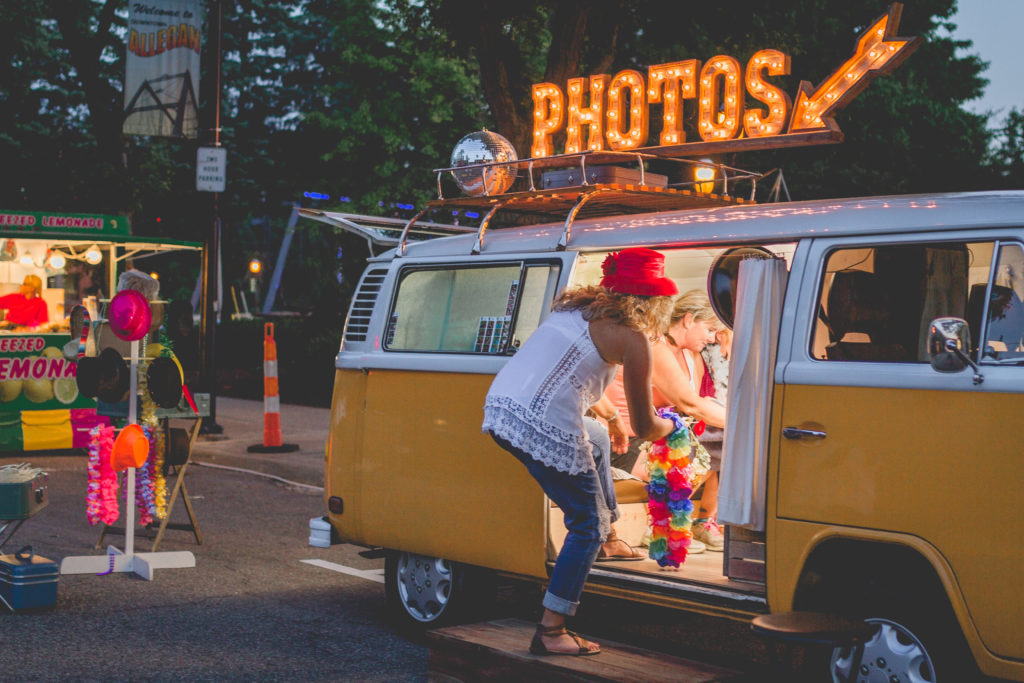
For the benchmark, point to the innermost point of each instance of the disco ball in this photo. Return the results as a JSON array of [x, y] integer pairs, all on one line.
[[480, 148]]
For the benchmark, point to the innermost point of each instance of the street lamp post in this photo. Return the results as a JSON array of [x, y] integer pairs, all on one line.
[[211, 255]]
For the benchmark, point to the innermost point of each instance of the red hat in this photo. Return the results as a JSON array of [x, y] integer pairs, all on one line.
[[638, 271]]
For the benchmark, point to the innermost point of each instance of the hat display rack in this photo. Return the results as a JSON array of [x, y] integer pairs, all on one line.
[[130, 317]]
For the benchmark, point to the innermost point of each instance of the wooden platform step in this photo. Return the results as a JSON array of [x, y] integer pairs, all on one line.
[[499, 651]]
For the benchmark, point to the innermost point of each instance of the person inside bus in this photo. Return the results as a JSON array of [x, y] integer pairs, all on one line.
[[26, 307], [536, 404], [677, 376]]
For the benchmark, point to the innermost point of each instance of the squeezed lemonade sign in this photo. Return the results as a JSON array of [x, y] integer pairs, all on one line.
[[615, 110], [35, 375]]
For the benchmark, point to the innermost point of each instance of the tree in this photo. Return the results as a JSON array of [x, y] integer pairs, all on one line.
[[1008, 156], [908, 132]]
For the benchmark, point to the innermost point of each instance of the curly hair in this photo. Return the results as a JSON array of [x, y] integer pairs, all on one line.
[[647, 314]]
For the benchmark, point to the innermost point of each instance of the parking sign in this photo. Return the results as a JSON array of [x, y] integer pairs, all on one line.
[[211, 169]]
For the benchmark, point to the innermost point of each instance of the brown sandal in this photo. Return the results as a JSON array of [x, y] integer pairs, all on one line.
[[605, 556], [537, 646]]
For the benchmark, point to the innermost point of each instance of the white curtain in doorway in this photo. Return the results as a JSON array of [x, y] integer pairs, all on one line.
[[743, 480]]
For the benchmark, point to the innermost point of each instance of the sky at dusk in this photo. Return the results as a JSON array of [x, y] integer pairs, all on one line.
[[995, 28]]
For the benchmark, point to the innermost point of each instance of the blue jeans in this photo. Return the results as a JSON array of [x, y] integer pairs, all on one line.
[[588, 502]]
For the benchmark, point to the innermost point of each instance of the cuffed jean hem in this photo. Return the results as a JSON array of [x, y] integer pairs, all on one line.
[[559, 605]]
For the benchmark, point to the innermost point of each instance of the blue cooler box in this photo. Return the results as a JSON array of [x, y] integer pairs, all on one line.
[[28, 580]]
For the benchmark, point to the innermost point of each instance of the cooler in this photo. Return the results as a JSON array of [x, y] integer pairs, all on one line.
[[28, 580], [21, 500]]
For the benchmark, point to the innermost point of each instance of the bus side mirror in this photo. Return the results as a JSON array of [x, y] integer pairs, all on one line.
[[948, 340]]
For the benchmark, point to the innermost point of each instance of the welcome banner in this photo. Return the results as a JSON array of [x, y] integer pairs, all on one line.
[[162, 68]]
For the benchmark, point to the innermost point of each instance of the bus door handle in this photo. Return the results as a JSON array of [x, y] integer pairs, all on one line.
[[795, 433]]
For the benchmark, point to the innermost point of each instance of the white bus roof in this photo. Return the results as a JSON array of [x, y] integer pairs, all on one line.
[[753, 223]]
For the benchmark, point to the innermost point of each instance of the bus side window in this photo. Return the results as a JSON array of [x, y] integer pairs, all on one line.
[[469, 308], [1004, 328], [878, 301], [539, 286]]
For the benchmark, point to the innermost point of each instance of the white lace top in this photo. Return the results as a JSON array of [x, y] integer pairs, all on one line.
[[538, 399]]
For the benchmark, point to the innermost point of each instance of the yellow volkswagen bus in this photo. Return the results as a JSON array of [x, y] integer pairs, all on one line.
[[873, 454]]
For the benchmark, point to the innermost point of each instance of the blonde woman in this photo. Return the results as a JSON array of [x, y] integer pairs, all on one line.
[[677, 374], [26, 306], [535, 411]]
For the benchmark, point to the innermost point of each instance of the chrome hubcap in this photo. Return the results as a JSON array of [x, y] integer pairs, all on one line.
[[893, 655], [425, 585]]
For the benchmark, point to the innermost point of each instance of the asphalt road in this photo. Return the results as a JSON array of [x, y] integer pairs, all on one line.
[[249, 610]]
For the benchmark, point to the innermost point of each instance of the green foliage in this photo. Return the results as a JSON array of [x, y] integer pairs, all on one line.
[[306, 348], [363, 99], [1008, 157], [392, 105]]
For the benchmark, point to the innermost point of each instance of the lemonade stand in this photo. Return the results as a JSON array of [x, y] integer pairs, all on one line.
[[77, 257]]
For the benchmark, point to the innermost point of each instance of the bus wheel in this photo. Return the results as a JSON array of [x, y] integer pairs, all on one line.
[[894, 653], [423, 592], [918, 641]]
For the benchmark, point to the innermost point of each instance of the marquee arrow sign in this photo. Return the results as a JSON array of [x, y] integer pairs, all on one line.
[[878, 52], [737, 109]]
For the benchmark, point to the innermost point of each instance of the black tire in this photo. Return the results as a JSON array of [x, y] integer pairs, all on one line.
[[425, 592], [918, 641]]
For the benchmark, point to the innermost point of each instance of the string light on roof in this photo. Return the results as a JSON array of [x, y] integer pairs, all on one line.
[[93, 255]]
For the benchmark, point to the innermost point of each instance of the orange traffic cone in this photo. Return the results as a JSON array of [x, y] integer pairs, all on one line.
[[271, 400]]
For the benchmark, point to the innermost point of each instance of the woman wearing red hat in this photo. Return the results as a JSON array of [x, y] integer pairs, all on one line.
[[535, 410], [26, 306]]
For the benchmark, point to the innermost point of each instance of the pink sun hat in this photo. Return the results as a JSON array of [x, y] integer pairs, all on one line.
[[129, 315]]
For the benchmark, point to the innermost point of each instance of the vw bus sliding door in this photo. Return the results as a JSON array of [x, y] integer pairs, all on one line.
[[430, 482]]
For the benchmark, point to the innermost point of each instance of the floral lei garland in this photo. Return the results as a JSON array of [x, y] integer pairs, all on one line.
[[150, 485], [101, 494], [672, 477]]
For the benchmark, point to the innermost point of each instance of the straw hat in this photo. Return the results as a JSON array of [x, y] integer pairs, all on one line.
[[131, 448]]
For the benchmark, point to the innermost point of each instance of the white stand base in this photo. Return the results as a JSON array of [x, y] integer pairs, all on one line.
[[142, 564]]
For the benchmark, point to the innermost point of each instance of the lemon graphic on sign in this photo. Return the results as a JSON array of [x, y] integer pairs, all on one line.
[[9, 390], [65, 389], [52, 352], [38, 390]]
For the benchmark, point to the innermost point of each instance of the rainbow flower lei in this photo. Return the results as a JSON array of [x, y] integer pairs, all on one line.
[[101, 493], [668, 493]]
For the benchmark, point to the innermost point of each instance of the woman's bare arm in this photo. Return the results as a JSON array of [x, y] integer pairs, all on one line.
[[605, 409], [630, 348], [672, 379]]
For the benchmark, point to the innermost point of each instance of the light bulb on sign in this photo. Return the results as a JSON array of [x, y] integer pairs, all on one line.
[[93, 255]]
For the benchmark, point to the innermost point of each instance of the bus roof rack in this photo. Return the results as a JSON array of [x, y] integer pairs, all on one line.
[[382, 230], [530, 205]]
